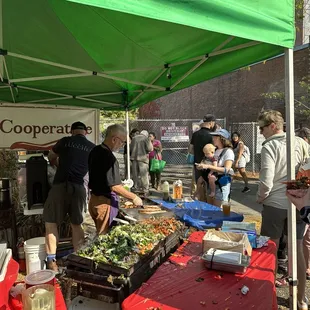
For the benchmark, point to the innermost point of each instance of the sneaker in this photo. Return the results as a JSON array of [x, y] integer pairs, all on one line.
[[246, 190], [52, 265]]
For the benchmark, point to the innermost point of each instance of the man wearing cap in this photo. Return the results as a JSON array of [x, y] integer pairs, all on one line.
[[68, 193], [199, 139]]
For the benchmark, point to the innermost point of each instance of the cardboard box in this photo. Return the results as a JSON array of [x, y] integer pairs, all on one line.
[[226, 241], [241, 228]]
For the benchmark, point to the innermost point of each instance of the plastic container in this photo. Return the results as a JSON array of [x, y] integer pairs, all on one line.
[[226, 208], [177, 190], [35, 254], [166, 190], [228, 267], [40, 277], [39, 297]]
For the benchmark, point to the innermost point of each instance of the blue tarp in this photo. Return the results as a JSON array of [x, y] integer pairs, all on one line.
[[199, 214]]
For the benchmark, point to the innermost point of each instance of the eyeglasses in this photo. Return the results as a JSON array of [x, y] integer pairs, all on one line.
[[122, 141], [262, 128]]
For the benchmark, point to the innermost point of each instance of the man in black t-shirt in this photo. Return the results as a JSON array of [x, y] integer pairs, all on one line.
[[68, 193], [104, 179], [199, 139]]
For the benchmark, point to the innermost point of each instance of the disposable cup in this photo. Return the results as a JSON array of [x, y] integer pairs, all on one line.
[[226, 208]]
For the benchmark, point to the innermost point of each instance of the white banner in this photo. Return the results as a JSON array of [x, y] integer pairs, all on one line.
[[174, 134], [39, 128]]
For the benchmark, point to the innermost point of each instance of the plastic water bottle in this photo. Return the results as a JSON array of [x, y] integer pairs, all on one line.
[[166, 190], [177, 190]]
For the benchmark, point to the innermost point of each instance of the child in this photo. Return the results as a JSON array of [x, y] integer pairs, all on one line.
[[208, 150]]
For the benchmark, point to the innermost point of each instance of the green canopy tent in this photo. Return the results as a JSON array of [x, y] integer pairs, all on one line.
[[119, 55]]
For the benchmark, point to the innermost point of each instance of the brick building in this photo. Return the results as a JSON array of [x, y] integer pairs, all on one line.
[[237, 95]]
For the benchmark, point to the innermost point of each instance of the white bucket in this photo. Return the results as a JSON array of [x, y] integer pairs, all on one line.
[[35, 254]]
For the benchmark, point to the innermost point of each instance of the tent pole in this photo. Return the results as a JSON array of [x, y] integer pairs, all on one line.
[[290, 144], [1, 41], [155, 79], [51, 77], [127, 146]]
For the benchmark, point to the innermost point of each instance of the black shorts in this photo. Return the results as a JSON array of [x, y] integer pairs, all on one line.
[[274, 223], [65, 198]]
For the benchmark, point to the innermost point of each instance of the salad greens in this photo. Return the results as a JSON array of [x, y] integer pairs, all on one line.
[[123, 245]]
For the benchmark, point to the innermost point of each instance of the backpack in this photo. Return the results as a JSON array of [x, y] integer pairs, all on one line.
[[246, 153]]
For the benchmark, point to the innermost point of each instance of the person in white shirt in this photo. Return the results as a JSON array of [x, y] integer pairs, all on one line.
[[272, 190], [225, 158]]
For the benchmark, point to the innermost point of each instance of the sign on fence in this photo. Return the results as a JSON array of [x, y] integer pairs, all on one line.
[[36, 128], [174, 134]]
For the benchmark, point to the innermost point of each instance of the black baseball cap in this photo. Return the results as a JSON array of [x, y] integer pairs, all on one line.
[[78, 125], [209, 118]]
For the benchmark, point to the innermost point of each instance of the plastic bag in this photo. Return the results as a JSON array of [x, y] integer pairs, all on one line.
[[190, 159], [224, 180], [157, 165]]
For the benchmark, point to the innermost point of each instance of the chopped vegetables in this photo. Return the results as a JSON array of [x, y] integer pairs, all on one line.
[[124, 244], [302, 183]]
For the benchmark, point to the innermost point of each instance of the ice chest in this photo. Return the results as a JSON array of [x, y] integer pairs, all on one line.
[[226, 241]]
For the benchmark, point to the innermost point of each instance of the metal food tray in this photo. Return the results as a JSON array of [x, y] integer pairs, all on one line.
[[245, 262], [134, 212]]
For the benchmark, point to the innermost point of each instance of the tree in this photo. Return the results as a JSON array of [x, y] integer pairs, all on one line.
[[133, 114], [108, 118], [302, 104]]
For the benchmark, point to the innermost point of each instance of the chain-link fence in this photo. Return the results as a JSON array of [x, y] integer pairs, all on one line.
[[174, 134], [252, 138]]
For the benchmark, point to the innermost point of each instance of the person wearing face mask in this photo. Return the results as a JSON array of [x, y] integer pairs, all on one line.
[[104, 180]]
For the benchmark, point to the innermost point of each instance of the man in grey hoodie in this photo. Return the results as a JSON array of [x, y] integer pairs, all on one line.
[[140, 147], [271, 190]]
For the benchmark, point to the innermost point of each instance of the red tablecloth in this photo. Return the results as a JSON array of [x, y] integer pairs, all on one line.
[[184, 283]]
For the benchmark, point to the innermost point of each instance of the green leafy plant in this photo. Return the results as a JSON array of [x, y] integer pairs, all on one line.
[[302, 104]]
